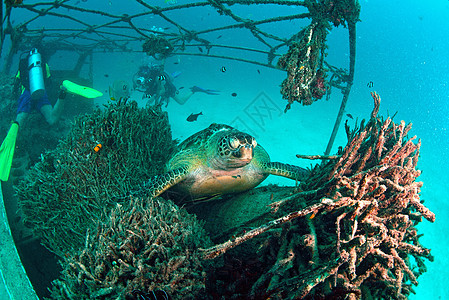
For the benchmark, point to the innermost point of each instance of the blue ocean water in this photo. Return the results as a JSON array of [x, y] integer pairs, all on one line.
[[401, 48]]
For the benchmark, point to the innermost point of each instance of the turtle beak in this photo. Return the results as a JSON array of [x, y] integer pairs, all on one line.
[[245, 153]]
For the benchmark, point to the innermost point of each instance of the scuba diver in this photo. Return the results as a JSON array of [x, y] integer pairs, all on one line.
[[32, 77], [157, 85], [31, 80]]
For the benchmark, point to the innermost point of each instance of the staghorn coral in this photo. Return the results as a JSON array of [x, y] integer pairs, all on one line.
[[350, 233], [73, 186], [144, 246]]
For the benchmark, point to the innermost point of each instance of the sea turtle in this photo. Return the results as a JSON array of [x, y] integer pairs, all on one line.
[[219, 160]]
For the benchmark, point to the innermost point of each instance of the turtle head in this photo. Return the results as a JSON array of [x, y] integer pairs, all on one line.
[[236, 149]]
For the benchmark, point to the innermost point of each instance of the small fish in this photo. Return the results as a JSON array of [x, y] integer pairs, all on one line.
[[219, 36], [161, 77], [258, 71], [370, 84], [350, 116], [236, 176], [106, 75], [180, 88], [223, 69], [234, 94], [201, 49], [193, 117], [98, 147], [176, 63], [119, 89]]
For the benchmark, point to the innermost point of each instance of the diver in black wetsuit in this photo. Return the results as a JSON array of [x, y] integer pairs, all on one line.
[[157, 85]]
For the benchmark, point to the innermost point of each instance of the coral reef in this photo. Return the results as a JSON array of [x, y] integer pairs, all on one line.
[[349, 233], [73, 186], [143, 246]]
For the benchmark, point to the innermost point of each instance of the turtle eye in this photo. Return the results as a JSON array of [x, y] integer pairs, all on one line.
[[254, 143], [234, 142]]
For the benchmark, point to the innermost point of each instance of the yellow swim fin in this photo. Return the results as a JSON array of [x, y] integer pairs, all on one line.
[[81, 90], [7, 151]]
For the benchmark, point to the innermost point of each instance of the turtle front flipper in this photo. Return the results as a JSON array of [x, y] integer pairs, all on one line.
[[160, 183], [286, 170]]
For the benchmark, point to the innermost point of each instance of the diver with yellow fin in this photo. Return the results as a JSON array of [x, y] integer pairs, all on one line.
[[31, 79]]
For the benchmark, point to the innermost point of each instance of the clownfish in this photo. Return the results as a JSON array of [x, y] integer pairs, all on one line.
[[98, 147]]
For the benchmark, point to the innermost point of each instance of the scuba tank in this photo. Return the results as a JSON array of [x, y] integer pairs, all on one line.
[[36, 74]]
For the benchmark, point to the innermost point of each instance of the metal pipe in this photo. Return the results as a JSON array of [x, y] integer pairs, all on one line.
[[352, 48]]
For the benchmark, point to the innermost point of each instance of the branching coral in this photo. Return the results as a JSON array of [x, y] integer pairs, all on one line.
[[73, 186], [359, 236], [144, 246]]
